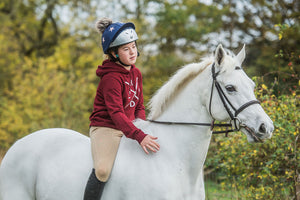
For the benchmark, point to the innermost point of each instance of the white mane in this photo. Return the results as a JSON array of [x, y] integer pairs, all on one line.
[[161, 98]]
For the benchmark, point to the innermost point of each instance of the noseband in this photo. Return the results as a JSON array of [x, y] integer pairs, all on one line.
[[235, 123]]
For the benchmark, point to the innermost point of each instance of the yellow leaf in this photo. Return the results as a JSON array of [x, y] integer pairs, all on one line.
[[260, 176], [264, 86]]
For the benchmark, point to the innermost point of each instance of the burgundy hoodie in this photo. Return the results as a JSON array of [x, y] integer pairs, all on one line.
[[119, 99]]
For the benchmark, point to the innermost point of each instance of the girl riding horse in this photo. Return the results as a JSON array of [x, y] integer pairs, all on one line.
[[118, 101]]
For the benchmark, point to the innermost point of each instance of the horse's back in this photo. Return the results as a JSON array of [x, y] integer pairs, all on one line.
[[35, 164]]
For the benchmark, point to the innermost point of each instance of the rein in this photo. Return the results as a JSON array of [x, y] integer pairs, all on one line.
[[234, 120], [212, 125]]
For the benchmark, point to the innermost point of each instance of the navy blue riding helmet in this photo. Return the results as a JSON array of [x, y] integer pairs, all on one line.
[[118, 34]]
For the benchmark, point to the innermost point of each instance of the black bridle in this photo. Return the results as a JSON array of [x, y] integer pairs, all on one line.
[[235, 124]]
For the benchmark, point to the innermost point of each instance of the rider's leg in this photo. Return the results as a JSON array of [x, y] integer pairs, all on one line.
[[94, 188], [105, 143]]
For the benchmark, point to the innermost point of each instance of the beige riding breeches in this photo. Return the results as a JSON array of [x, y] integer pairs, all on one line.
[[104, 143]]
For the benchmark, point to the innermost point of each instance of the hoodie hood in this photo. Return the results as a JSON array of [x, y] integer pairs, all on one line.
[[109, 66]]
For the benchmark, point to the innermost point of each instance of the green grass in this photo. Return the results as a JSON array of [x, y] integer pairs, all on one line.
[[214, 191]]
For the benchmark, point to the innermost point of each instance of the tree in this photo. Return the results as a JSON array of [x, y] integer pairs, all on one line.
[[258, 23]]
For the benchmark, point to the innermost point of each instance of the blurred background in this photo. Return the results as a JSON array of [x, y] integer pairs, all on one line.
[[49, 51]]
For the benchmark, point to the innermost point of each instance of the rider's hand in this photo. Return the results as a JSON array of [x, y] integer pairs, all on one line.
[[149, 143]]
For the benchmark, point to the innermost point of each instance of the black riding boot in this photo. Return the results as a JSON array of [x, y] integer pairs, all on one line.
[[94, 188]]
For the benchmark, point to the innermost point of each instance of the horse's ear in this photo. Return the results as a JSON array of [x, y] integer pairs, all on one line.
[[219, 54], [241, 55]]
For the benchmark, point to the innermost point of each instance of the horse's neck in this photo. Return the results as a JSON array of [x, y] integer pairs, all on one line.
[[190, 106]]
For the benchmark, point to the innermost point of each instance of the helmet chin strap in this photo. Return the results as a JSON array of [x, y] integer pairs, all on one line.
[[119, 60]]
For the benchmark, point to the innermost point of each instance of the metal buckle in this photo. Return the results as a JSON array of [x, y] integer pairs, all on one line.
[[236, 123]]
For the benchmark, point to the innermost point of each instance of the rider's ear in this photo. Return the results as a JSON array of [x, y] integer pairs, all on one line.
[[241, 55], [219, 54], [114, 54]]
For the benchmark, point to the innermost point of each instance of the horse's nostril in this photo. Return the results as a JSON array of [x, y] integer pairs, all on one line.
[[262, 128]]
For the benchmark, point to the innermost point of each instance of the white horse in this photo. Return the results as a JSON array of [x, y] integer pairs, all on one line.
[[54, 164]]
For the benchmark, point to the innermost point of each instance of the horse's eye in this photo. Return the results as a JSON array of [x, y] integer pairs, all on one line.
[[230, 88]]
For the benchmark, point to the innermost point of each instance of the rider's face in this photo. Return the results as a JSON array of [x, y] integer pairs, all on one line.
[[128, 53]]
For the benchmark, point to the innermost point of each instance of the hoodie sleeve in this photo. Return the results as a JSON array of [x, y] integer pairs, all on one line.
[[112, 91]]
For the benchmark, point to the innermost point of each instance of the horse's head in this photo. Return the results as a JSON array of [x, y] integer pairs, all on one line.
[[233, 97]]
